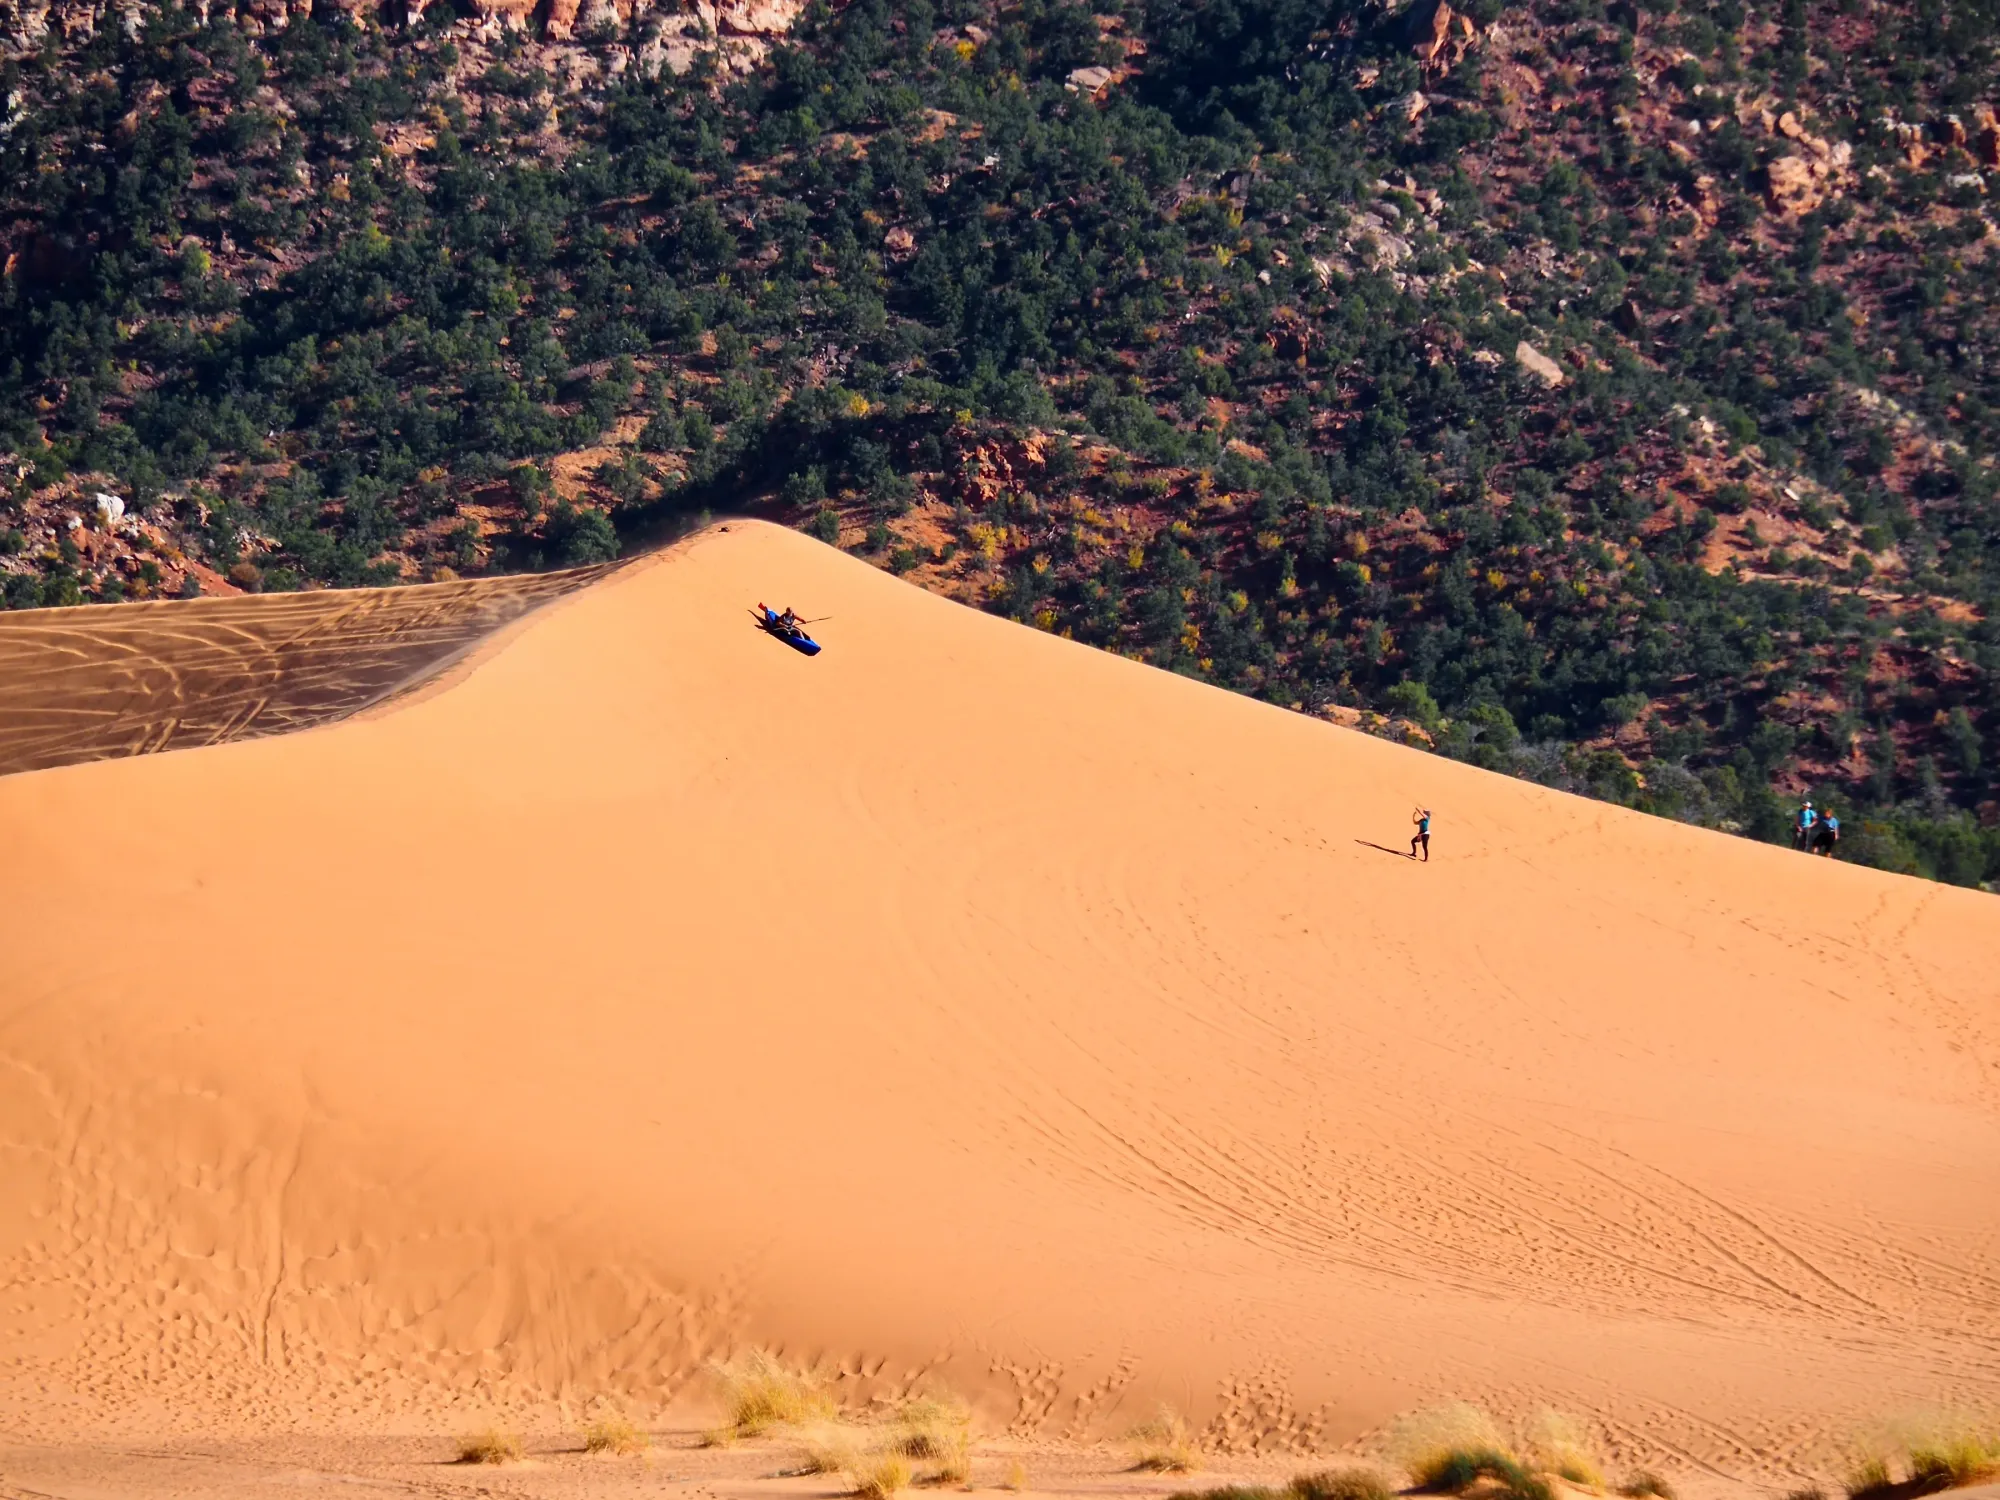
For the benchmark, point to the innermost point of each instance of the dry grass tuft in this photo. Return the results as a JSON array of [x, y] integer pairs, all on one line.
[[761, 1392], [1939, 1451], [1557, 1444], [1869, 1475], [937, 1428], [1644, 1483], [1426, 1442], [827, 1448], [1340, 1484], [876, 1459], [1230, 1492], [1165, 1445], [877, 1476], [489, 1447], [1449, 1449], [614, 1435], [1016, 1477], [1463, 1469], [1951, 1461]]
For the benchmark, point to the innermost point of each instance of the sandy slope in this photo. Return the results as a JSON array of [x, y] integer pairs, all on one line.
[[98, 681], [961, 999]]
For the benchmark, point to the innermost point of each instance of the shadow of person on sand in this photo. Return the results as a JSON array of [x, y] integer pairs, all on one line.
[[1399, 853]]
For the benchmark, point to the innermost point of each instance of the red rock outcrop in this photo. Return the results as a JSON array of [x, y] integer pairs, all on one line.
[[742, 30], [1800, 181], [1440, 36], [1985, 143]]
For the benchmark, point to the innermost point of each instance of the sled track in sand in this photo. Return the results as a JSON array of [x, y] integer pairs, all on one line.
[[101, 681]]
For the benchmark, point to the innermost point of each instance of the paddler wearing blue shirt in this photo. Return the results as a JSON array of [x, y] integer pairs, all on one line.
[[1802, 836]]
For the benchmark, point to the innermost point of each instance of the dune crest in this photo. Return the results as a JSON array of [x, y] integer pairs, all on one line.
[[96, 682], [961, 1001]]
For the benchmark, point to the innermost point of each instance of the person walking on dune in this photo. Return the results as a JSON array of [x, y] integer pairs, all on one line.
[[1829, 834], [1807, 828], [1422, 837]]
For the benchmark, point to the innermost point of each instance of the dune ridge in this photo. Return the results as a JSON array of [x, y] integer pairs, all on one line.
[[99, 681], [962, 1003]]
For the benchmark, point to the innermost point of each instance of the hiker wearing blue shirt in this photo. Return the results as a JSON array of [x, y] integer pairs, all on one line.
[[1422, 818], [1829, 835], [1802, 836]]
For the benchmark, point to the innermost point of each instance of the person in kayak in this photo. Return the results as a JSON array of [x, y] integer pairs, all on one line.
[[786, 619], [1422, 818]]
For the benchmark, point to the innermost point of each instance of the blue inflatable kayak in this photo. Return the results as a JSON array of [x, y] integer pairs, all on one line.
[[769, 621]]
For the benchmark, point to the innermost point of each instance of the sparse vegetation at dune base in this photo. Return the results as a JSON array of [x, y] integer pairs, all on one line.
[[1644, 1483], [1340, 1484], [937, 1431], [1924, 1455], [1489, 1470], [1455, 1449], [493, 1446], [923, 1438], [615, 1435], [878, 1475], [760, 1391], [1164, 1444], [1558, 1445], [1458, 1449], [1326, 1484], [926, 1439]]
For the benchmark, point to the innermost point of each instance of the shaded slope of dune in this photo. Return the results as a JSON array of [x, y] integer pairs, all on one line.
[[962, 1000], [97, 682]]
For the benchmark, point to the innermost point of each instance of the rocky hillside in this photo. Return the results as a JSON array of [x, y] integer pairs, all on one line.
[[1601, 392]]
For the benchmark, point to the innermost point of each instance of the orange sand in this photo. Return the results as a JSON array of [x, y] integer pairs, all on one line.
[[95, 683], [970, 1001]]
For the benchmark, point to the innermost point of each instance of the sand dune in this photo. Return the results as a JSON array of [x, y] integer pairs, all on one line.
[[97, 682], [963, 1000]]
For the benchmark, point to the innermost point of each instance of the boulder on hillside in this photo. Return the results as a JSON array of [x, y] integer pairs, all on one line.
[[1799, 184], [1985, 144], [260, 16], [1538, 364], [749, 24], [1291, 337], [566, 18], [1439, 35], [512, 14], [1789, 184], [755, 18]]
